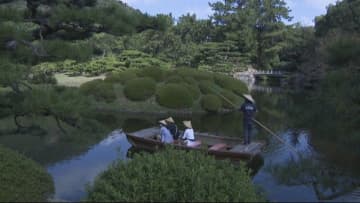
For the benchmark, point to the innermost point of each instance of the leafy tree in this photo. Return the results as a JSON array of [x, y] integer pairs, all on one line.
[[255, 26]]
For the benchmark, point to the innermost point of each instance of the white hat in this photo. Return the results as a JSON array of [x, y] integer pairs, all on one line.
[[187, 124], [249, 97], [170, 120], [162, 122]]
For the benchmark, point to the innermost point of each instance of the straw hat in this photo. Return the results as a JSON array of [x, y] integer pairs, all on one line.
[[162, 122], [187, 124], [249, 97], [170, 120]]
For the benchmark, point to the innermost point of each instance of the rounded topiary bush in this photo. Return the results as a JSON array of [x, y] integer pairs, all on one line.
[[231, 84], [101, 90], [193, 89], [155, 73], [121, 77], [194, 73], [140, 89], [174, 96], [211, 103], [23, 180], [174, 79], [207, 87], [190, 81], [230, 97], [174, 176]]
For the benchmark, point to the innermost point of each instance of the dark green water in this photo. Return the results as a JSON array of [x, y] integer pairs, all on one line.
[[324, 170]]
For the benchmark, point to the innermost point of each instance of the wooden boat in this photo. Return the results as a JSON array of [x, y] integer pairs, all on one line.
[[220, 147]]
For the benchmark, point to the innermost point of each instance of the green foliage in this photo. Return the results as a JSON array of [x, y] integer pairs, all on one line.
[[233, 98], [174, 176], [155, 73], [121, 77], [43, 78], [343, 50], [341, 16], [138, 59], [231, 84], [22, 179], [102, 91], [207, 87], [61, 50], [140, 89], [194, 73], [174, 96], [193, 89], [174, 79], [211, 103]]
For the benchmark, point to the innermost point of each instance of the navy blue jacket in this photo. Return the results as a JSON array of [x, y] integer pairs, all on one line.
[[249, 110]]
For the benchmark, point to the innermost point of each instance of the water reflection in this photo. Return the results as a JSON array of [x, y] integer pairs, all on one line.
[[71, 176]]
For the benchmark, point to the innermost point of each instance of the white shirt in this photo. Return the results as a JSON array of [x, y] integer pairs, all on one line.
[[189, 134]]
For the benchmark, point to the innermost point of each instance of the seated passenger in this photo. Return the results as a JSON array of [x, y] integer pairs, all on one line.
[[189, 137], [172, 128], [165, 135]]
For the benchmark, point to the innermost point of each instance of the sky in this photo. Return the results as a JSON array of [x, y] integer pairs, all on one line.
[[303, 11]]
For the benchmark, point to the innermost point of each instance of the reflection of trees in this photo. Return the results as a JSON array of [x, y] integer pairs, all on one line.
[[327, 181]]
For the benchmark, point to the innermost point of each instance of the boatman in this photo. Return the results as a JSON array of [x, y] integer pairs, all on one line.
[[249, 109]]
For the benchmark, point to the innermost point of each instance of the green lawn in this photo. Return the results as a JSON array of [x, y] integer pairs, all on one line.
[[64, 80]]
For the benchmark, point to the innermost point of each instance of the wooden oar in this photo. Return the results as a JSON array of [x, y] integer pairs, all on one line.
[[260, 124]]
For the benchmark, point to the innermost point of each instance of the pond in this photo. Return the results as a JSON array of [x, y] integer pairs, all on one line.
[[319, 169]]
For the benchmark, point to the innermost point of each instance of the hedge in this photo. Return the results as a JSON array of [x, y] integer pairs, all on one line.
[[194, 73], [140, 89], [174, 176], [101, 90], [211, 103], [121, 77], [174, 79], [231, 84], [23, 180], [174, 96], [207, 87], [155, 73], [230, 97]]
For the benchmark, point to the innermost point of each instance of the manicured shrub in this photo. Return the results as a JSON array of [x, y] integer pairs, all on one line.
[[231, 84], [23, 180], [194, 73], [190, 81], [174, 96], [140, 89], [155, 73], [121, 77], [43, 78], [193, 89], [101, 90], [211, 103], [174, 79], [230, 97], [207, 87], [174, 176]]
